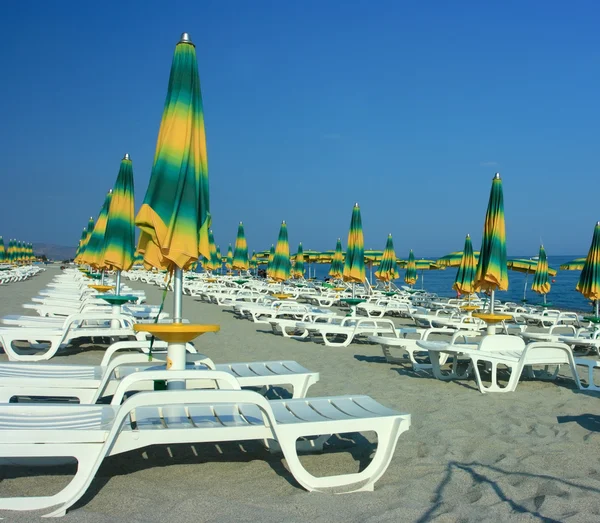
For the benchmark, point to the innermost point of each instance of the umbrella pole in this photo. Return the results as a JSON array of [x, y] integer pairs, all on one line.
[[597, 306], [118, 285], [176, 351], [102, 278], [177, 295], [422, 280], [525, 288]]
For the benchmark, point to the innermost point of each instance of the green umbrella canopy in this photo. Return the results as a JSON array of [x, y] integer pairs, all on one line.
[[174, 218], [89, 230], [2, 250], [281, 265], [119, 237], [337, 263], [354, 263], [299, 263], [526, 266], [229, 258], [492, 273], [574, 265], [388, 268], [213, 261], [454, 259], [410, 277], [219, 257], [253, 261], [95, 244], [81, 242], [240, 256], [270, 260], [465, 276], [589, 280], [541, 283]]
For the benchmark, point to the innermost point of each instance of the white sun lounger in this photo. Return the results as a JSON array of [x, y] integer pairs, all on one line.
[[347, 329], [89, 433]]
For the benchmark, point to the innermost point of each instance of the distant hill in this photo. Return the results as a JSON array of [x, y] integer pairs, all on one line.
[[53, 251]]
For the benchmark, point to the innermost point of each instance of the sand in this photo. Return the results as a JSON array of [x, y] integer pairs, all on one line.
[[530, 455]]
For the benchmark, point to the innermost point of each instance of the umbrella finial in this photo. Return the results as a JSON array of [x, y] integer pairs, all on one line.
[[597, 223], [126, 157], [185, 39], [356, 204], [497, 176]]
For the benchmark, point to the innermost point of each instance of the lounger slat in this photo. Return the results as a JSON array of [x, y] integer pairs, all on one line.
[[175, 417], [328, 409], [229, 416], [253, 414], [148, 418], [203, 416], [371, 405], [303, 411]]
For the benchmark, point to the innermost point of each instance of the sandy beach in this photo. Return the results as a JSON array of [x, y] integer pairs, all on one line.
[[531, 455]]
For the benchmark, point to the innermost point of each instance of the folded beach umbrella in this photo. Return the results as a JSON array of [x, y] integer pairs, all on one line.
[[81, 243], [95, 244], [138, 258], [253, 261], [574, 265], [336, 270], [2, 251], [541, 283], [465, 276], [240, 255], [492, 274], [174, 218], [219, 257], [9, 251], [354, 263], [589, 280], [229, 258], [119, 237], [212, 262], [299, 265], [88, 235], [526, 266], [388, 268], [410, 277], [454, 259], [281, 265], [270, 260]]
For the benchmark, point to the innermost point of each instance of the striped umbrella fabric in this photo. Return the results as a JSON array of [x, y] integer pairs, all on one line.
[[229, 258], [410, 277], [240, 255], [354, 264], [589, 281], [336, 270], [89, 229], [119, 237], [574, 265], [2, 250], [492, 273], [138, 258], [298, 271], [81, 243], [388, 268], [270, 261], [219, 257], [454, 259], [174, 218], [526, 266], [541, 283], [281, 266], [253, 261], [465, 276], [95, 244], [212, 262]]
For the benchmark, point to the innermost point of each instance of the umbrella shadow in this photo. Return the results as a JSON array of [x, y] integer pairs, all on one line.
[[589, 422]]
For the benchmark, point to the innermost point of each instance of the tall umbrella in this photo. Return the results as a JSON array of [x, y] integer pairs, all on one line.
[[388, 268], [270, 261], [93, 250], [354, 264], [81, 243], [254, 262], [174, 218], [410, 277], [492, 274], [574, 265], [281, 265], [2, 250], [89, 230], [299, 265], [336, 270], [229, 258], [465, 276], [454, 259], [589, 281], [220, 258], [240, 254], [119, 237], [541, 283], [212, 262], [526, 266]]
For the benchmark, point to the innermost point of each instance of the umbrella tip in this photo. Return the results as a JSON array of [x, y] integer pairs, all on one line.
[[185, 38], [497, 176], [597, 223], [356, 204], [126, 157]]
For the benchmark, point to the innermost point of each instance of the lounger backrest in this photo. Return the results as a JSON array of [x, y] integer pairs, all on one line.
[[501, 342], [543, 352]]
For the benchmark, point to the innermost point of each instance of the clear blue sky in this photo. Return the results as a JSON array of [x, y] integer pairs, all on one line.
[[406, 107]]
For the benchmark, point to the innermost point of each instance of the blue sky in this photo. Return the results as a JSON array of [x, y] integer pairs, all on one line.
[[405, 107]]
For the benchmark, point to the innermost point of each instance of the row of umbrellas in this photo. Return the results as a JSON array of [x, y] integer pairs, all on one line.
[[16, 252]]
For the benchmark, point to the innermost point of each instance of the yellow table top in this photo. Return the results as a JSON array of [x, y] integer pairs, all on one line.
[[281, 296], [175, 332], [492, 318], [101, 288], [469, 307]]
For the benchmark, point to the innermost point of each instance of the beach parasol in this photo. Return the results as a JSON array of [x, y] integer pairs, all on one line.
[[174, 218], [463, 283], [388, 268], [337, 263], [492, 274], [589, 280], [526, 266], [574, 265], [541, 283], [240, 255], [212, 262], [2, 251], [299, 265], [119, 237], [354, 263], [95, 244], [270, 260], [410, 277], [220, 258], [281, 265], [229, 258], [254, 262], [454, 259]]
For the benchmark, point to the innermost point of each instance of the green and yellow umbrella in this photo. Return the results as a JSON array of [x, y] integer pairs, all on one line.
[[88, 235], [336, 270], [253, 261], [454, 259], [229, 258], [138, 258], [541, 282], [589, 281], [119, 237], [281, 265], [81, 243], [92, 253], [388, 268], [174, 218], [354, 263], [2, 251], [240, 256], [492, 273], [526, 266], [410, 277], [212, 262], [298, 271], [574, 265], [270, 261], [465, 276], [220, 258]]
